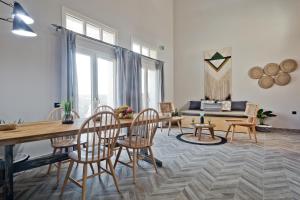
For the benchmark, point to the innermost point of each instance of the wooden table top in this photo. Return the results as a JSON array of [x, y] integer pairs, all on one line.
[[197, 125], [36, 131]]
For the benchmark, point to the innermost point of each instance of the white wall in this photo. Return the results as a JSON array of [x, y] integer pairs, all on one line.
[[259, 32], [29, 67]]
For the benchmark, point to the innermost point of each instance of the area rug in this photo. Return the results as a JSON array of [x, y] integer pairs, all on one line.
[[206, 139]]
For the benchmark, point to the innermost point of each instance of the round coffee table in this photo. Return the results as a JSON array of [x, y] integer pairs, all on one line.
[[199, 127]]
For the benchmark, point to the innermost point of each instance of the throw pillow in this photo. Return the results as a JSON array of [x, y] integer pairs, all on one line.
[[195, 105], [238, 105]]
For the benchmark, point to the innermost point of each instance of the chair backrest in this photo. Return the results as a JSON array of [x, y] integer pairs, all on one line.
[[166, 107], [55, 115], [100, 131], [143, 128], [251, 112], [58, 113], [103, 108]]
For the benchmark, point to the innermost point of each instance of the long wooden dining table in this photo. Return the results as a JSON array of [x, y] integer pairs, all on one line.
[[36, 131]]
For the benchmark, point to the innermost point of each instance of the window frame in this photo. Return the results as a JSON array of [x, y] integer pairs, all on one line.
[[144, 45], [86, 20]]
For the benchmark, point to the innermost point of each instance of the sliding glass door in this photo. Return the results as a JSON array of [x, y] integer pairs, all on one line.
[[95, 75]]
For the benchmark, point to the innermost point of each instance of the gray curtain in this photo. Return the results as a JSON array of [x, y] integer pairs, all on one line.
[[69, 88], [128, 79], [159, 65]]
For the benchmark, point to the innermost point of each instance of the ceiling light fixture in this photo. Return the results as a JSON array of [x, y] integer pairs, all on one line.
[[20, 18]]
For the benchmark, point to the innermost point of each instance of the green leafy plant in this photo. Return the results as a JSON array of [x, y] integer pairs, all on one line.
[[262, 115], [67, 105]]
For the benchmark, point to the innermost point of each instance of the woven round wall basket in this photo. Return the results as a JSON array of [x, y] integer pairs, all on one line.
[[288, 65], [283, 79], [271, 69], [266, 82], [256, 72]]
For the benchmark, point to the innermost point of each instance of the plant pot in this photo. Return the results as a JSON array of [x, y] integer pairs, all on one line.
[[263, 128], [68, 119]]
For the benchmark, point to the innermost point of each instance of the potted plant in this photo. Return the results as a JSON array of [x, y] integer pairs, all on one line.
[[262, 115], [68, 117]]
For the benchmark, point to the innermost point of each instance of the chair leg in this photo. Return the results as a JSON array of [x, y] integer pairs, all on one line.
[[134, 165], [179, 126], [228, 131], [170, 124], [67, 176], [92, 168], [232, 135], [254, 133], [84, 178], [112, 170], [128, 153], [249, 132], [49, 168], [153, 160], [118, 156], [58, 173]]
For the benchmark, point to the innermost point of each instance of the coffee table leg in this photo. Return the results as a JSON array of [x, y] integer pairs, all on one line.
[[212, 133], [196, 131], [200, 132]]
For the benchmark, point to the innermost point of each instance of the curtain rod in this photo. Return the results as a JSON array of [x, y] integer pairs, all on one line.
[[100, 41]]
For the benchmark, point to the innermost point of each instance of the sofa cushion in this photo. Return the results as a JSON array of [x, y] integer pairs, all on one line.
[[195, 105], [226, 105], [238, 105]]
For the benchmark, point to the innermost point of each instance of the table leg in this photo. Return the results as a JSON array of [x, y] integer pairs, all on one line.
[[9, 179], [196, 131], [212, 132], [200, 132]]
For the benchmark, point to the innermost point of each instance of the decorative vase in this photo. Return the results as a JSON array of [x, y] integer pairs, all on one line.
[[68, 118]]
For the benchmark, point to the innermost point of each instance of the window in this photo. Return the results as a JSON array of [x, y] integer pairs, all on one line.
[[84, 80], [150, 91], [106, 85], [145, 50], [93, 31], [74, 24], [84, 25], [136, 48], [108, 37]]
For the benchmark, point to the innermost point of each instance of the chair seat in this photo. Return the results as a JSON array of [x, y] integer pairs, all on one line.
[[68, 142], [89, 157], [136, 142], [176, 118], [240, 123]]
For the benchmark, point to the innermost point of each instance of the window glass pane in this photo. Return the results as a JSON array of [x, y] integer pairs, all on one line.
[[74, 24], [145, 51], [153, 54], [92, 31], [152, 89], [144, 94], [106, 82], [83, 66], [136, 48], [109, 37]]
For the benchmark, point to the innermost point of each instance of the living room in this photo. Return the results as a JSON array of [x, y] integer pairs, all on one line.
[[195, 56]]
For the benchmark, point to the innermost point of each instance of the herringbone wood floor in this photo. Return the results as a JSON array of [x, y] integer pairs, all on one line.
[[238, 170]]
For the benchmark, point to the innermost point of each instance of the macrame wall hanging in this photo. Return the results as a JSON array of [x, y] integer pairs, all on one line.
[[217, 74]]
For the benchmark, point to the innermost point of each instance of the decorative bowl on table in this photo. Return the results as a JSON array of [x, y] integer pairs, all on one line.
[[124, 112]]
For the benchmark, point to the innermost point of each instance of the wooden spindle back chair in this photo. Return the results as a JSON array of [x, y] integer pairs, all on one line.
[[63, 143], [140, 137], [101, 131], [103, 108]]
